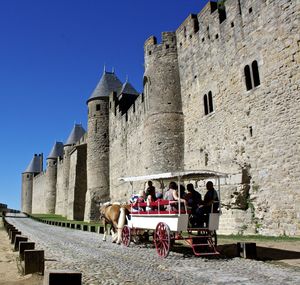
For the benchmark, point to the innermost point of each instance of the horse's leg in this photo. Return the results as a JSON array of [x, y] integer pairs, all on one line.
[[121, 223], [105, 229], [114, 234]]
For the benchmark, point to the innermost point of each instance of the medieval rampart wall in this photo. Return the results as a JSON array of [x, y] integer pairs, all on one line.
[[59, 206], [38, 193], [222, 93], [248, 131], [77, 183], [126, 134]]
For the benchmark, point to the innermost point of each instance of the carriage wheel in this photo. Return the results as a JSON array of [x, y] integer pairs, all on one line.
[[162, 239], [126, 235]]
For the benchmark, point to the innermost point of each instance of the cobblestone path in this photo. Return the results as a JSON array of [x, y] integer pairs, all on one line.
[[107, 263]]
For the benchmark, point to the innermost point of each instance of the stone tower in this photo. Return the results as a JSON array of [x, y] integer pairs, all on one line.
[[62, 190], [51, 176], [163, 128], [34, 167], [98, 144]]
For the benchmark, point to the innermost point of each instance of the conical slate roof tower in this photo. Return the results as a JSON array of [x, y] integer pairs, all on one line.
[[56, 151], [35, 166], [108, 83], [98, 144], [76, 134]]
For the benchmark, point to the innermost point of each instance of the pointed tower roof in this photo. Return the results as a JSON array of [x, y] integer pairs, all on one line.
[[108, 83], [127, 88], [76, 134], [35, 165], [57, 150]]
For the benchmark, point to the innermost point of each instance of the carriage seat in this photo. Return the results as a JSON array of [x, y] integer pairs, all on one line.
[[157, 207]]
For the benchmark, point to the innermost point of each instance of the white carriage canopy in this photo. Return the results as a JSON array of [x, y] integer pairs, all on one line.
[[182, 175]]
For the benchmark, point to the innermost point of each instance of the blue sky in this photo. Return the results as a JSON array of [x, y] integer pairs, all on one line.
[[52, 54]]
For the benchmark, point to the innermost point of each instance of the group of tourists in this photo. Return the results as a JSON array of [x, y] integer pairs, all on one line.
[[192, 199]]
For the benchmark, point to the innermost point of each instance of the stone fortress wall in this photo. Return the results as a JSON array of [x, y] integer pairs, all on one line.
[[220, 93]]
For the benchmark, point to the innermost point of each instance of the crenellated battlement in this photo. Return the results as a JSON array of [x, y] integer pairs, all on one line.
[[152, 49]]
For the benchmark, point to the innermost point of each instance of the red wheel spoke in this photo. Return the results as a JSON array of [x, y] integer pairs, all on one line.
[[162, 239]]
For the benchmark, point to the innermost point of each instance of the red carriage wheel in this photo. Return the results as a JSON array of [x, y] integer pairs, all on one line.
[[162, 239], [126, 235]]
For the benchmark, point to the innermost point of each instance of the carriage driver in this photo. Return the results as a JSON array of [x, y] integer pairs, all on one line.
[[210, 204]]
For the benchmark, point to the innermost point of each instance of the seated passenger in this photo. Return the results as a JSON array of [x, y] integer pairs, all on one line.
[[136, 200], [210, 204], [194, 200], [172, 195], [150, 195], [182, 191]]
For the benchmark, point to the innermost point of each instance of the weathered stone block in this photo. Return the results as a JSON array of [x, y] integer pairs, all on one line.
[[63, 277], [23, 245], [13, 235], [18, 239], [92, 229], [34, 261]]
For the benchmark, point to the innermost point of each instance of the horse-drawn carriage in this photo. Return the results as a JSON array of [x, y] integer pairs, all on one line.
[[167, 225]]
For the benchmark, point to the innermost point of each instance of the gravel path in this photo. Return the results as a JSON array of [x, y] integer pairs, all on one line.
[[107, 263]]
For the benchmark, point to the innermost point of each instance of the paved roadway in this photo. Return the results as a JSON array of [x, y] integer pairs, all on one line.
[[107, 263]]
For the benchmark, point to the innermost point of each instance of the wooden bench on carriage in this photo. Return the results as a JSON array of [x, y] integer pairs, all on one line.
[[166, 225]]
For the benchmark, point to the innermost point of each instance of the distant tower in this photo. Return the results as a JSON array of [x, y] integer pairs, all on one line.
[[98, 144], [163, 149], [62, 192], [34, 168], [50, 193]]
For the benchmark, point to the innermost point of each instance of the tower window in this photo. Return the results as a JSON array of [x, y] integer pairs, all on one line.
[[252, 75], [256, 79], [205, 104], [208, 103], [98, 107], [248, 77]]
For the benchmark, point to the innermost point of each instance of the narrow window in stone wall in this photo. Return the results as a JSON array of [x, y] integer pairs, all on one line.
[[210, 102], [248, 77], [252, 75], [98, 107], [255, 72], [205, 104]]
